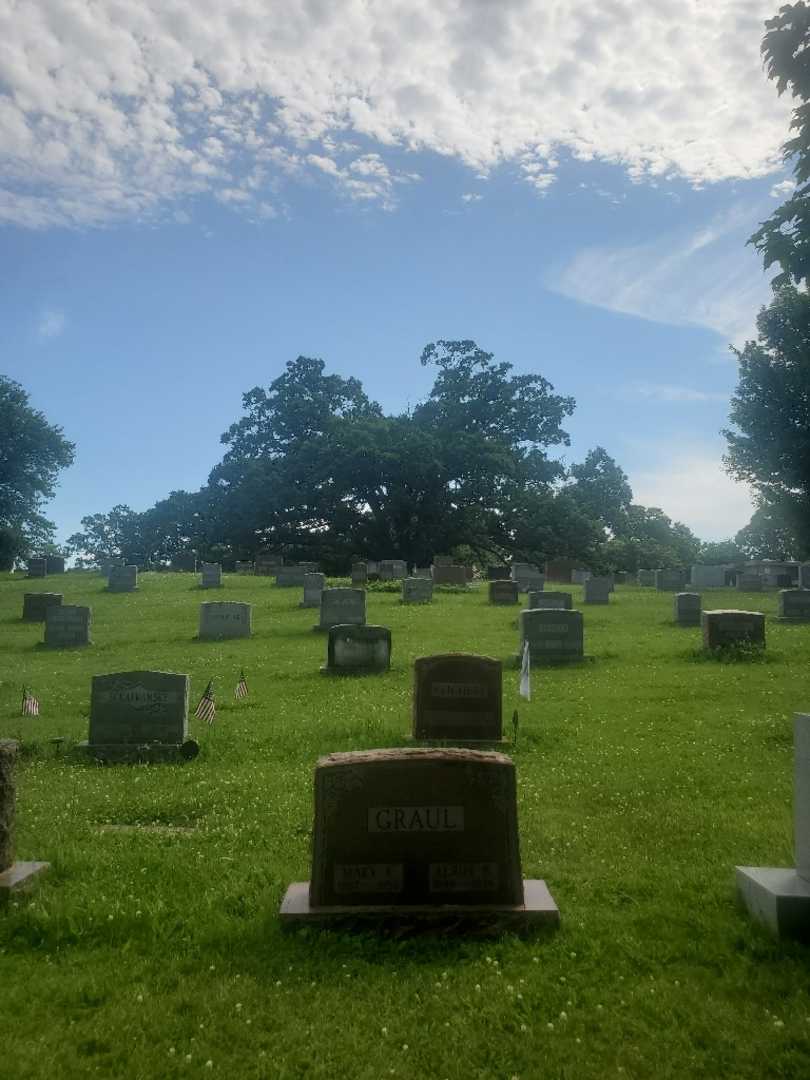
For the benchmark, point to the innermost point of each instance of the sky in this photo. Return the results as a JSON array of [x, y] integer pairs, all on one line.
[[194, 192]]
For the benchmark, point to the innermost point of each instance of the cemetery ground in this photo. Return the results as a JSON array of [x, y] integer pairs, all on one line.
[[153, 948]]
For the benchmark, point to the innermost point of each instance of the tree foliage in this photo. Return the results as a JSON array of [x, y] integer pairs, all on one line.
[[32, 453]]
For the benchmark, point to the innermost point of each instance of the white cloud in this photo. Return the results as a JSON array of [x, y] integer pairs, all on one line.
[[690, 485], [51, 324], [782, 189], [113, 110], [471, 197], [670, 392], [705, 277]]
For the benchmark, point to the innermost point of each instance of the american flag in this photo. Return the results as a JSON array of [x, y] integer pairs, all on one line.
[[207, 710], [30, 704], [241, 686]]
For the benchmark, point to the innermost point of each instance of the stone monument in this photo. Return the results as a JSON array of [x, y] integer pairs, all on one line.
[[553, 635], [417, 590], [225, 619], [123, 579], [794, 605], [359, 573], [313, 590], [357, 650], [67, 625], [457, 697], [211, 575], [686, 607], [670, 580], [417, 835], [36, 604], [729, 627], [503, 592], [598, 590], [340, 607]]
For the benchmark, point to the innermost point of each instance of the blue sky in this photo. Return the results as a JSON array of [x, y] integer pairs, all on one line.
[[332, 197]]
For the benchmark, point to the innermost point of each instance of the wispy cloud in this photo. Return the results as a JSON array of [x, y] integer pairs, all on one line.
[[471, 197], [113, 110], [670, 392], [702, 277], [51, 324]]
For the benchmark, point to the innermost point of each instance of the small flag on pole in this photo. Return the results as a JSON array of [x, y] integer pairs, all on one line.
[[525, 674], [207, 710], [241, 687], [30, 704]]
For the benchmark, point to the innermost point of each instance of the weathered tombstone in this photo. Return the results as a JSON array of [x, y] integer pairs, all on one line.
[[359, 573], [559, 571], [67, 625], [341, 607], [185, 562], [598, 590], [558, 601], [704, 576], [225, 619], [392, 569], [292, 577], [106, 566], [804, 576], [242, 566], [457, 696], [498, 573], [579, 575], [123, 579], [687, 608], [749, 583], [780, 898], [139, 714], [14, 876], [211, 575], [313, 589], [266, 563], [794, 605], [357, 650], [449, 574], [527, 576], [670, 580], [37, 566], [421, 835], [36, 604], [417, 590], [54, 564], [645, 578], [503, 592], [552, 635], [722, 628]]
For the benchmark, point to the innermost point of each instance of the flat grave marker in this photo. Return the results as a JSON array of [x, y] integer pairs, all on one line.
[[458, 696], [419, 834]]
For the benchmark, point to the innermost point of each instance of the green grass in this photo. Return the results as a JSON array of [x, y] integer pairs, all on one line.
[[153, 946]]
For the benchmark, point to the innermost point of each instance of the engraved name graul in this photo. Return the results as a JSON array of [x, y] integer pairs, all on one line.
[[415, 819]]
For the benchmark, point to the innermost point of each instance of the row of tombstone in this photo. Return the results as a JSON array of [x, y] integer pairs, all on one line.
[[40, 566]]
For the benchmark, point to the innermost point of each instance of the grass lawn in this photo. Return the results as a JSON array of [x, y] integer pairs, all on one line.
[[153, 948]]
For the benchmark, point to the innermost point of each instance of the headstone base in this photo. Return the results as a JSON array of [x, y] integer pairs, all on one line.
[[123, 753], [470, 744], [326, 670], [777, 897], [19, 877], [537, 910]]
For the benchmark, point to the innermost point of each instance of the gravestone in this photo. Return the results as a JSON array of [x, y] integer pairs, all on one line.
[[804, 576], [342, 607], [579, 576], [211, 575], [266, 563], [645, 578], [670, 580], [106, 565], [703, 576], [794, 605], [242, 566], [356, 650], [722, 628], [598, 590], [503, 591], [553, 635], [359, 573], [123, 579], [557, 601], [54, 564], [184, 562], [421, 835], [527, 576], [14, 876], [559, 571], [137, 559], [749, 583], [620, 577], [292, 577], [687, 608], [67, 625], [780, 898], [498, 573], [393, 569], [36, 604], [313, 590], [423, 572], [225, 619], [443, 560], [139, 714], [449, 574], [457, 696], [417, 590], [38, 566]]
